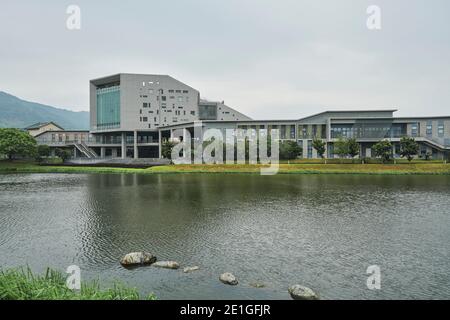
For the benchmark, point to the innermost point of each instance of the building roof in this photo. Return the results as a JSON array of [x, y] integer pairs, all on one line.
[[348, 111], [39, 125], [62, 131]]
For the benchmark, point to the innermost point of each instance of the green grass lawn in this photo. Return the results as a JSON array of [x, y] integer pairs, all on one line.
[[22, 284], [422, 167]]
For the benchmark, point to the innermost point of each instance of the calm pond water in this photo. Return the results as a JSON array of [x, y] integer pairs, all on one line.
[[322, 231]]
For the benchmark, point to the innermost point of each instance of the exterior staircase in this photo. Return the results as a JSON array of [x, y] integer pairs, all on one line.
[[88, 152]]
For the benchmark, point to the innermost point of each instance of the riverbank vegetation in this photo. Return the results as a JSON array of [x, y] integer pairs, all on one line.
[[312, 166], [22, 284]]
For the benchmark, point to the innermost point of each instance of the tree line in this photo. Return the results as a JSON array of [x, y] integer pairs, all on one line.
[[343, 147], [16, 143]]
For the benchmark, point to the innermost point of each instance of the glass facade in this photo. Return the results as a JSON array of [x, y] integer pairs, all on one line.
[[310, 131], [108, 107], [207, 112], [368, 130]]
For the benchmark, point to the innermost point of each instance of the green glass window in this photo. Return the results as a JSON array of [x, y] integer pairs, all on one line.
[[108, 107]]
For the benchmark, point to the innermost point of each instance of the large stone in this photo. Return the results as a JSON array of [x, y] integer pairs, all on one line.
[[137, 258], [228, 278], [190, 269], [299, 292], [166, 264]]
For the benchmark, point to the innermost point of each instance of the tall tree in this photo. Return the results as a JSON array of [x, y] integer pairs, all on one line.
[[353, 147], [43, 151], [166, 149], [383, 149], [319, 145], [15, 142], [341, 147], [408, 148]]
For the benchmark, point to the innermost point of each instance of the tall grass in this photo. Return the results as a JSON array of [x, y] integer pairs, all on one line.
[[22, 284]]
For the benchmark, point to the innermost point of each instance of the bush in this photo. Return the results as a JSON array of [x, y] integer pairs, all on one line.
[[289, 150], [64, 154]]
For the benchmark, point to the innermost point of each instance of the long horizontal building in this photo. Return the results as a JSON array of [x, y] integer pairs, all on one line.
[[132, 114]]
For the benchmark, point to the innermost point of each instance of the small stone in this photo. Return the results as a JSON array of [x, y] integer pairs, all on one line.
[[190, 269], [257, 285], [137, 258], [228, 278], [299, 292], [166, 264]]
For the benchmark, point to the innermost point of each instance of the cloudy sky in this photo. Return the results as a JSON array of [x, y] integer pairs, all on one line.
[[269, 59]]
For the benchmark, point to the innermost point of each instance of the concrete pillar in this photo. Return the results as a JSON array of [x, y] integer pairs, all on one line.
[[184, 141], [102, 152], [305, 149], [159, 143], [75, 152], [124, 145], [135, 147]]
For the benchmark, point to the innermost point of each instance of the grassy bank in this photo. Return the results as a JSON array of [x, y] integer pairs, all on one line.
[[22, 284], [424, 167]]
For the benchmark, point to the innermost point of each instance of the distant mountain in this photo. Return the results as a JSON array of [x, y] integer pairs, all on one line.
[[18, 113]]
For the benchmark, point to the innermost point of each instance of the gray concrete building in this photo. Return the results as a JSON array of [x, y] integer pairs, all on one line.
[[132, 114]]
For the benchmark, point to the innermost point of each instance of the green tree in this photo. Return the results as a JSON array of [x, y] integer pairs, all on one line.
[[15, 142], [408, 148], [383, 149], [166, 149], [352, 147], [289, 150], [319, 145], [43, 151], [64, 154], [341, 147]]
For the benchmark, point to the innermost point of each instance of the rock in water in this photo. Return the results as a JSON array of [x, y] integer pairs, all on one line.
[[166, 264], [299, 292], [228, 278], [190, 269], [137, 258]]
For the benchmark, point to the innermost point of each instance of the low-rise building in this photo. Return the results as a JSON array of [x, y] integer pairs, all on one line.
[[132, 114], [39, 127]]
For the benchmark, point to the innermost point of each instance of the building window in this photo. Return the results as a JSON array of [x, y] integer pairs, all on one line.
[[178, 91], [292, 132], [145, 119], [185, 91], [429, 130], [171, 91], [441, 129], [163, 98], [193, 113], [283, 132], [414, 129]]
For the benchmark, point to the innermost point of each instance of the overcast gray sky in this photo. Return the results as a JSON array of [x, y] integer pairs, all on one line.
[[269, 59]]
